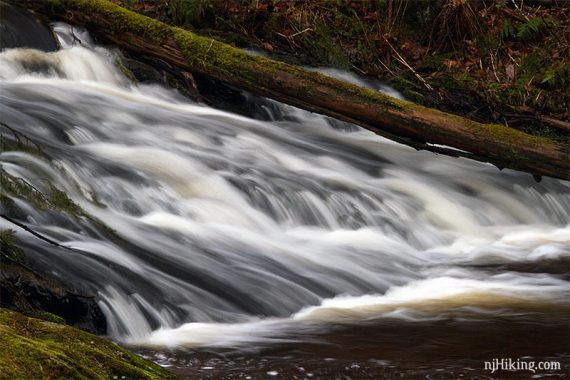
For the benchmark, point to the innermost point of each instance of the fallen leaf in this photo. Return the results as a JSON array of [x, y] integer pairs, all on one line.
[[510, 69]]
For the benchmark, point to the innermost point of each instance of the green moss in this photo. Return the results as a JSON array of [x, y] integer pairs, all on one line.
[[7, 203], [121, 19], [534, 66], [419, 16], [436, 62], [15, 187], [542, 130], [407, 88], [323, 46], [488, 43], [21, 145], [9, 250], [60, 201], [50, 199], [366, 95], [214, 57], [54, 199], [46, 316], [206, 51], [36, 349], [194, 13], [530, 29], [557, 76], [272, 24], [511, 136], [128, 73]]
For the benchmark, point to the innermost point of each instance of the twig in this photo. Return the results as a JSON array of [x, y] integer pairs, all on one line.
[[519, 9], [36, 234], [17, 135], [208, 51], [386, 67], [493, 66], [548, 120], [401, 59], [289, 38], [75, 38], [292, 44], [537, 96], [560, 124], [512, 59], [301, 32], [359, 69], [22, 180]]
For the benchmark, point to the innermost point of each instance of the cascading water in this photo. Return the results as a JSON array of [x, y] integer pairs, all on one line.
[[246, 234]]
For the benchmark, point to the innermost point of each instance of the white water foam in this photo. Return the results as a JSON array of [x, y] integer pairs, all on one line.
[[437, 298]]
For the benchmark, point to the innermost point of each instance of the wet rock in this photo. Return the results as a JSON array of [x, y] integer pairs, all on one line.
[[26, 287], [27, 292], [145, 70], [19, 28]]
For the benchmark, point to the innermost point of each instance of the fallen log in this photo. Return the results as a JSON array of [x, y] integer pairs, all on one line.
[[401, 121]]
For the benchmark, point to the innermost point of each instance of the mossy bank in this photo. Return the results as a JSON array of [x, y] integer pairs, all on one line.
[[41, 349]]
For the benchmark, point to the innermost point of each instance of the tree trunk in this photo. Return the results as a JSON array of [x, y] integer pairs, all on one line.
[[404, 122]]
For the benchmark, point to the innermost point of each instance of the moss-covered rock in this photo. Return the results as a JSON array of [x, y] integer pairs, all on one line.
[[26, 287], [38, 349], [52, 199], [9, 250]]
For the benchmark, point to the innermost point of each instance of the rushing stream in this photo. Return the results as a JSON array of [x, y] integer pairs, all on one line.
[[289, 246]]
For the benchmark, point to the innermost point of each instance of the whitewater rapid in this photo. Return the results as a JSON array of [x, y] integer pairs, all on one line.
[[238, 231]]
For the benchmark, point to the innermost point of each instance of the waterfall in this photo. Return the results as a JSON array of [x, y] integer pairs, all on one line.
[[235, 232]]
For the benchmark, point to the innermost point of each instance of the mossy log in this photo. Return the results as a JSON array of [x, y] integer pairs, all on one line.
[[401, 121]]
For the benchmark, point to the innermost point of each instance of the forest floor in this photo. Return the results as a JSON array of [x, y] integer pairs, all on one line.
[[497, 61]]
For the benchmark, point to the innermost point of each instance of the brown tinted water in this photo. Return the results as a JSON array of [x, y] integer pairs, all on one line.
[[450, 349]]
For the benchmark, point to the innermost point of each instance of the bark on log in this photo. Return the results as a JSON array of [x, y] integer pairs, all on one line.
[[405, 122]]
